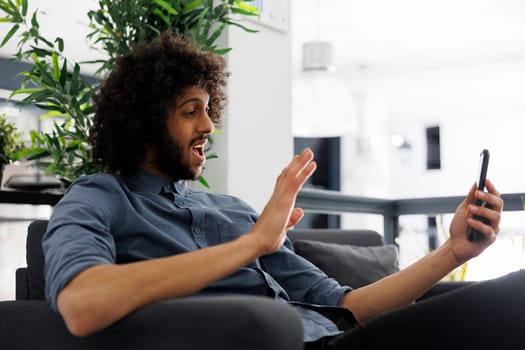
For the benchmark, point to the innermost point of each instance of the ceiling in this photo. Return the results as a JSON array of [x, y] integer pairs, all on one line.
[[406, 34]]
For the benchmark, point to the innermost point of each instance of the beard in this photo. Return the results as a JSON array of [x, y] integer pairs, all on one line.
[[170, 159]]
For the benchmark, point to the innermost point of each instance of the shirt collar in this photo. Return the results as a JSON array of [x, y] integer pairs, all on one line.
[[149, 182]]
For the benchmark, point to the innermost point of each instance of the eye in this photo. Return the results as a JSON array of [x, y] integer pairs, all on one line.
[[190, 113]]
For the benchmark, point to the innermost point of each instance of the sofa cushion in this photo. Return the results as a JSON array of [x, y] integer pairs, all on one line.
[[350, 265]]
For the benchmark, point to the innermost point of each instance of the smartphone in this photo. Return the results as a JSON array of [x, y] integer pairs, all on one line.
[[482, 175]]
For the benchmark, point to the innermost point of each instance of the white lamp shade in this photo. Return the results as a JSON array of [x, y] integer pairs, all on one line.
[[322, 106]]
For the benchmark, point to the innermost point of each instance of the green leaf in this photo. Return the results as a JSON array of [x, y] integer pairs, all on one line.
[[9, 34], [246, 29], [85, 97], [223, 51], [56, 67], [63, 74], [217, 33], [73, 89], [24, 8], [203, 182], [166, 6], [60, 43], [160, 14], [191, 6], [201, 22], [34, 21], [42, 75], [93, 62], [36, 137], [33, 153], [10, 9], [38, 96], [242, 5], [49, 106], [25, 91], [41, 52], [45, 41], [244, 12]]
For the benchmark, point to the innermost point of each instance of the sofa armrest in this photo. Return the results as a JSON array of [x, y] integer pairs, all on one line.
[[229, 322]]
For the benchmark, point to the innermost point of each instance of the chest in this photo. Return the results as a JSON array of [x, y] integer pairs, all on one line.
[[164, 225]]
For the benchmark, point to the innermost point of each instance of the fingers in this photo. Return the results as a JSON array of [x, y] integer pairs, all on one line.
[[492, 197], [488, 231], [470, 196], [490, 211], [300, 168], [301, 163], [296, 216]]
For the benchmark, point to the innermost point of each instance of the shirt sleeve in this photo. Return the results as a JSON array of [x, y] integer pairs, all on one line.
[[78, 235], [303, 281]]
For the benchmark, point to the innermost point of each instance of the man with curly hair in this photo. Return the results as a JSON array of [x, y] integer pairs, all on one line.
[[136, 234]]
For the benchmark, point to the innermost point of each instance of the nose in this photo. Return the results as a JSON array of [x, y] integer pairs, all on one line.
[[206, 125]]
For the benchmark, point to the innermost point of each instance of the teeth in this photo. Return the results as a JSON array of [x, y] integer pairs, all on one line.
[[199, 149]]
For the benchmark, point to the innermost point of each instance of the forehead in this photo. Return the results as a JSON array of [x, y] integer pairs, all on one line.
[[197, 94]]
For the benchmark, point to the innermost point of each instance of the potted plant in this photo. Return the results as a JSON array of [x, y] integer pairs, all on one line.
[[56, 85], [10, 143]]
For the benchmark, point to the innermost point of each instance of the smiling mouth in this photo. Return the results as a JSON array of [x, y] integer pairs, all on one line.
[[199, 149]]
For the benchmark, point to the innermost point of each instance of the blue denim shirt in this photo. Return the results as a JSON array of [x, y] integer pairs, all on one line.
[[106, 218]]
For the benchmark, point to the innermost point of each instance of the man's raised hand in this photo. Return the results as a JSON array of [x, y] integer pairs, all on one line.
[[279, 214]]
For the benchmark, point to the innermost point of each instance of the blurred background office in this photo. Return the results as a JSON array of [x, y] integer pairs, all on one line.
[[427, 86], [397, 98], [414, 66]]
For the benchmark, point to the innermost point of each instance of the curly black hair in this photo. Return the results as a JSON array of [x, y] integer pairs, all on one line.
[[134, 101]]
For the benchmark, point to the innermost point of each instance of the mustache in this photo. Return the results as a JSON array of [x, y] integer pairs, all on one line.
[[200, 138]]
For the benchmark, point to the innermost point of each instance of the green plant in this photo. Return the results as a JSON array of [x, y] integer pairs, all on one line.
[[10, 141], [55, 84]]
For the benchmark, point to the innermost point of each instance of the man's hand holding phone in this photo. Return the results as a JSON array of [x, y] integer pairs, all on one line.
[[470, 236], [474, 235]]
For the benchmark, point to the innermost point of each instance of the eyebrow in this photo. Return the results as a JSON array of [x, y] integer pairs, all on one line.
[[194, 99]]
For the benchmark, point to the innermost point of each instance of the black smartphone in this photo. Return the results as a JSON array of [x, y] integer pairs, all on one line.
[[482, 175]]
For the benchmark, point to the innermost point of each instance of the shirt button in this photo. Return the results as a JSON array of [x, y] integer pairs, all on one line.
[[197, 230], [168, 187]]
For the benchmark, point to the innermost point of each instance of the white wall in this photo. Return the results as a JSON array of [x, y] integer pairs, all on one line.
[[479, 105], [256, 140]]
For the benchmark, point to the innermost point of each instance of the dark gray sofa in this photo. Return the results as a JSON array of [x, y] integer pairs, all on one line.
[[193, 323]]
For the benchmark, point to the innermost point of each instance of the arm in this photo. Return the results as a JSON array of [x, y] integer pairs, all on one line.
[[407, 285], [103, 294]]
